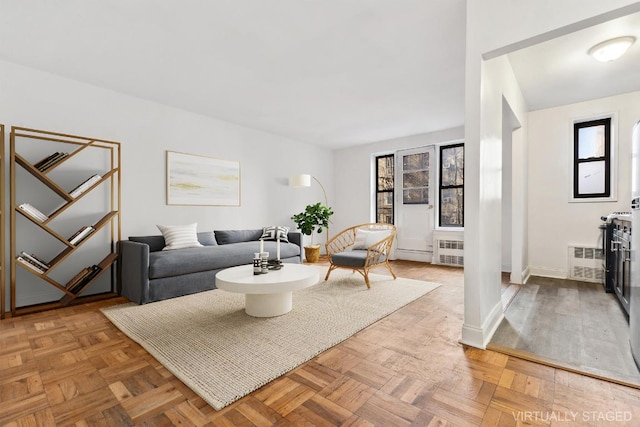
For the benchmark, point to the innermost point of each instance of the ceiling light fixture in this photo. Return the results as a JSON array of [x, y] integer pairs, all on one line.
[[612, 49]]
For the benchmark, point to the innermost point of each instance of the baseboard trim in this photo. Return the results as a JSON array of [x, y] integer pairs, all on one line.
[[519, 278], [479, 337], [472, 336], [548, 272], [413, 255], [493, 321]]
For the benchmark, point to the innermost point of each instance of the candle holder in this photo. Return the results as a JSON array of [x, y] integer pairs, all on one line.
[[275, 264], [264, 256], [257, 263]]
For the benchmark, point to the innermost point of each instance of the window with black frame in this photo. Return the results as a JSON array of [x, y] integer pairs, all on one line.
[[451, 189], [592, 159], [384, 188]]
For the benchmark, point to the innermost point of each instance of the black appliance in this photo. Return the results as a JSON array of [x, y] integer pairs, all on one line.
[[617, 256]]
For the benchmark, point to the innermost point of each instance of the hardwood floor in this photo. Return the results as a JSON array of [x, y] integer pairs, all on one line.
[[73, 367]]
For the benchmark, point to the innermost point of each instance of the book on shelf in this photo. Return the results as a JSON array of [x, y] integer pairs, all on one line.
[[34, 259], [33, 212], [29, 264], [87, 275], [81, 234], [45, 160], [54, 160], [85, 185], [71, 284], [94, 272]]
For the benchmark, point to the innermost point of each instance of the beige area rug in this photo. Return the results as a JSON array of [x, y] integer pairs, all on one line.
[[222, 354]]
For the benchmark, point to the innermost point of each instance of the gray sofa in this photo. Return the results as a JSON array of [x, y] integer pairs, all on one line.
[[146, 273]]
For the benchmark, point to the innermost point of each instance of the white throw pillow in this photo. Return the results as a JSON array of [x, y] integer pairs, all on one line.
[[180, 236], [366, 238]]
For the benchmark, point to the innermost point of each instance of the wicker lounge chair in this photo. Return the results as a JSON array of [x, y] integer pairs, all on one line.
[[361, 248]]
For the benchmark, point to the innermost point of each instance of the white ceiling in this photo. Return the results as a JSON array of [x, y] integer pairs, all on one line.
[[328, 72], [560, 71]]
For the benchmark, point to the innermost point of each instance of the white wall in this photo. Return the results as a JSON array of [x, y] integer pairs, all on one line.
[[498, 25], [550, 169], [507, 190], [353, 174], [483, 198], [39, 100]]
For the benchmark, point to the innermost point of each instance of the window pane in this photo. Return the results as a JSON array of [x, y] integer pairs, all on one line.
[[384, 188], [591, 142], [452, 166], [451, 203], [384, 211], [415, 179], [591, 177], [413, 162], [385, 173], [415, 196]]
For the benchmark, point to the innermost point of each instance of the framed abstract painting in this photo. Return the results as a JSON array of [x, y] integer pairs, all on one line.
[[201, 180]]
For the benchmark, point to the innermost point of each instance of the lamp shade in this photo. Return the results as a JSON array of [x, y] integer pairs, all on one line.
[[300, 181]]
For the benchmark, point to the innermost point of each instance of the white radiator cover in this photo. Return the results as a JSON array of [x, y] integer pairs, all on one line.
[[586, 263], [448, 249]]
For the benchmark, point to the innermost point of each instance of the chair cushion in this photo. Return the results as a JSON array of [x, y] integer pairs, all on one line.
[[355, 258]]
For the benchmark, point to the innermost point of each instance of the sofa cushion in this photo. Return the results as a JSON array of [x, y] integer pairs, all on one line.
[[225, 237], [192, 260], [156, 243], [180, 236], [206, 238]]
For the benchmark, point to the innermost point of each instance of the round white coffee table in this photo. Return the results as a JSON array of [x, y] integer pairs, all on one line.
[[267, 295]]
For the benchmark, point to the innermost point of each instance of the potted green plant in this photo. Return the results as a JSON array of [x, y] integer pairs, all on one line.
[[313, 219]]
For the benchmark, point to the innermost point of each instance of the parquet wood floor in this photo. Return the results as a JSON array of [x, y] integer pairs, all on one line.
[[73, 367]]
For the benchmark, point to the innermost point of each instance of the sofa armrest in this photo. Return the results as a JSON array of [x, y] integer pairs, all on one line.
[[133, 280], [296, 237]]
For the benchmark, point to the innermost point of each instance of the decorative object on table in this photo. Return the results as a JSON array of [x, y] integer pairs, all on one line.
[[264, 256], [213, 350], [257, 263], [202, 180], [275, 264], [313, 218], [304, 180]]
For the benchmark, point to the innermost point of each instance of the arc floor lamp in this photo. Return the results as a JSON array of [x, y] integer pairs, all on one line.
[[304, 180]]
